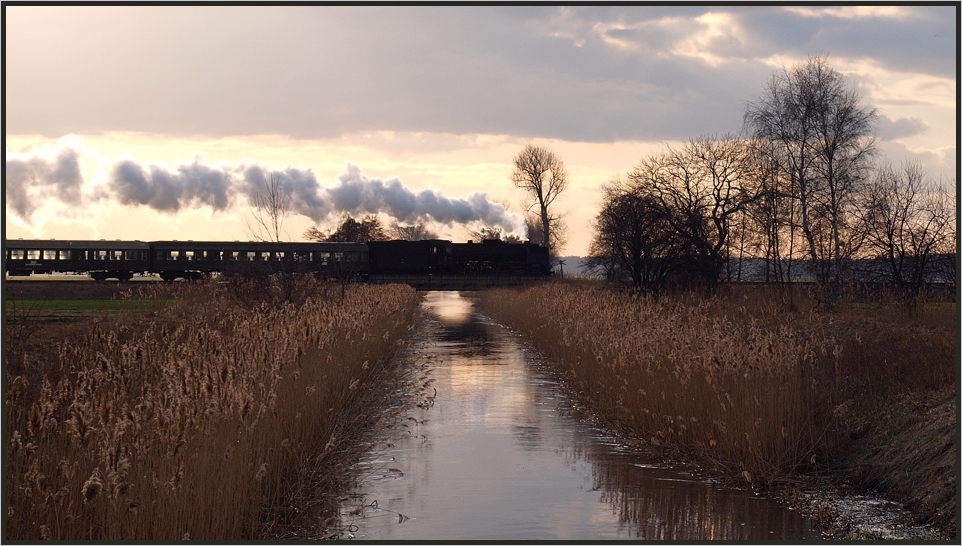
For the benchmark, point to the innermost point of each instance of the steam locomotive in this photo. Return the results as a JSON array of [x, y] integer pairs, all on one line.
[[190, 260]]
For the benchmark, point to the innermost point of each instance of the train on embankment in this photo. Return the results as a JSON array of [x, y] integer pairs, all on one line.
[[191, 260]]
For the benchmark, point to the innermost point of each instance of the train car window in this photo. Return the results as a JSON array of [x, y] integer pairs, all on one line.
[[99, 254], [338, 256], [280, 254], [202, 255], [143, 255], [265, 256], [325, 256], [251, 256], [33, 254], [161, 255], [17, 254], [117, 255], [49, 254], [174, 254], [188, 254], [64, 255], [130, 255]]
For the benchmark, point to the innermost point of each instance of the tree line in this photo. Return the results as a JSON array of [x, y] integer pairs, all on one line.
[[802, 188]]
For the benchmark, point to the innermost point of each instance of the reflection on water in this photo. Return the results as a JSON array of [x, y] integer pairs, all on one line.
[[500, 454]]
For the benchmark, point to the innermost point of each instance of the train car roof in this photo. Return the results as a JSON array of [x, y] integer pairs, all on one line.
[[102, 244], [258, 245]]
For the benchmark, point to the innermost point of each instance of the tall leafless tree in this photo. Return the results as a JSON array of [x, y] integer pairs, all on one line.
[[772, 231], [821, 138], [543, 175], [909, 222], [268, 210], [282, 278]]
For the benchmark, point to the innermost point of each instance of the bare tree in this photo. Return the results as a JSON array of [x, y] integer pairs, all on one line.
[[350, 231], [543, 175], [821, 138], [558, 237], [909, 222], [268, 210], [415, 232], [700, 189], [772, 231], [634, 239], [282, 278], [488, 233]]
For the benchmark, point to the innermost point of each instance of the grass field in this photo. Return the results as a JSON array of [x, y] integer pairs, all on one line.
[[66, 309]]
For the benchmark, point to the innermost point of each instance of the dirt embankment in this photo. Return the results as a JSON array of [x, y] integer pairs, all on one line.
[[909, 453]]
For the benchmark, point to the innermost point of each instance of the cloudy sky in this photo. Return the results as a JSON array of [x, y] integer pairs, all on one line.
[[157, 123]]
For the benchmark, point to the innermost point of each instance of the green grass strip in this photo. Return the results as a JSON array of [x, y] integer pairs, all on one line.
[[75, 308]]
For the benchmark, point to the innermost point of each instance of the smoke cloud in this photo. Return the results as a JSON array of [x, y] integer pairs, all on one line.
[[190, 185], [32, 178], [357, 194], [224, 187]]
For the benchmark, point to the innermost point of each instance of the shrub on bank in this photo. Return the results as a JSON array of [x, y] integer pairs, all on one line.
[[188, 425]]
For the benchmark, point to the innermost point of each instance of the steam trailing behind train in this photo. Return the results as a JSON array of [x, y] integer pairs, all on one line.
[[195, 259]]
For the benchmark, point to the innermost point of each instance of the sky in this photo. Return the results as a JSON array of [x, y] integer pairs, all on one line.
[[161, 122]]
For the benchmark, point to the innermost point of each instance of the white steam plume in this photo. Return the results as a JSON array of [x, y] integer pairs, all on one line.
[[223, 187]]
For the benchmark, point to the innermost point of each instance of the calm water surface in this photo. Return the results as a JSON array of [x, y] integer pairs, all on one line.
[[495, 451]]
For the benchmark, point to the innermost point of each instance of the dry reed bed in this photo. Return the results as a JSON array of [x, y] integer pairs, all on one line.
[[189, 425], [755, 391]]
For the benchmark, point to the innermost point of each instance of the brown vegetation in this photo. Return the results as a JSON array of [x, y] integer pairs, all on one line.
[[192, 423], [740, 382]]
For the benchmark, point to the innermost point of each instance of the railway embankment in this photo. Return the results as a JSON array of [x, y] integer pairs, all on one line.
[[762, 393]]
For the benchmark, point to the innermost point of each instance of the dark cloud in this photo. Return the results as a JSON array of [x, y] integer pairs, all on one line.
[[890, 129], [321, 71], [30, 179], [922, 41]]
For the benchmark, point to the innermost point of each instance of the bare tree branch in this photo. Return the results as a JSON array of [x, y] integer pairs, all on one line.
[[268, 211]]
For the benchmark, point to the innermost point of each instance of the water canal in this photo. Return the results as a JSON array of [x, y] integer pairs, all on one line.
[[495, 451]]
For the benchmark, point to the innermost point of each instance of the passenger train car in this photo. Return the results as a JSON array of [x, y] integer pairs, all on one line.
[[195, 259], [102, 259]]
